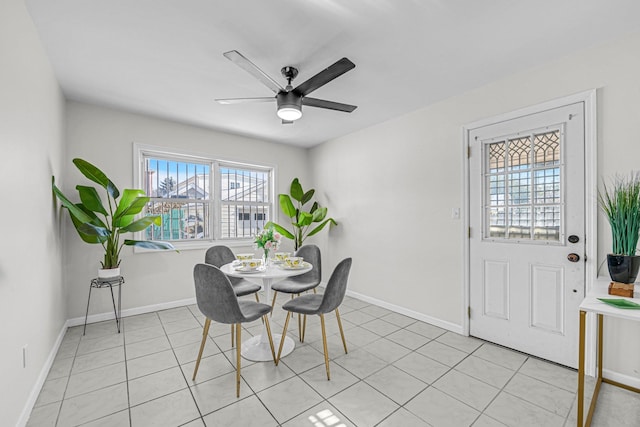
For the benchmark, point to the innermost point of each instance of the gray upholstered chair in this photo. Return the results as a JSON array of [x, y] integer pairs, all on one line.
[[302, 283], [217, 301], [320, 305], [221, 255]]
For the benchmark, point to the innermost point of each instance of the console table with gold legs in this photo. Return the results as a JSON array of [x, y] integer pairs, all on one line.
[[591, 304]]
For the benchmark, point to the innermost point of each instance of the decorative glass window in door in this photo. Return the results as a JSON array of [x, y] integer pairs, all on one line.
[[523, 188]]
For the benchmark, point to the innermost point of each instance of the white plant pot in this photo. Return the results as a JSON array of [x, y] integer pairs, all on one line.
[[107, 273]]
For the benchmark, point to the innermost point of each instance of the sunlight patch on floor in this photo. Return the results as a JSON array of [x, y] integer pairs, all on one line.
[[325, 418]]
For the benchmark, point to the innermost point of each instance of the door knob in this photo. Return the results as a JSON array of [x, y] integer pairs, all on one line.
[[573, 257]]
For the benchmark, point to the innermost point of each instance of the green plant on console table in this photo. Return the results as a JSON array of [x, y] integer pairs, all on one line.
[[621, 203]]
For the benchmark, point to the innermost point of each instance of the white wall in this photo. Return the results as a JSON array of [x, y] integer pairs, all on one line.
[[392, 186], [32, 300], [104, 137]]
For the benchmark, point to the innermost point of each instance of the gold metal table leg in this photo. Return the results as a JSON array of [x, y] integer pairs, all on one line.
[[599, 379], [581, 368]]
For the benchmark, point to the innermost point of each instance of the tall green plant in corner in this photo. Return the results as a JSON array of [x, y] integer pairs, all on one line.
[[104, 225], [302, 221]]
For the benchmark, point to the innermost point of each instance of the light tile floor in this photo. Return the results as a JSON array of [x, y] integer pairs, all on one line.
[[398, 372]]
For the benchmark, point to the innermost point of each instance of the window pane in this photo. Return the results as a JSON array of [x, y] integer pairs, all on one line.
[[246, 197], [497, 222], [179, 192], [180, 220], [519, 188], [547, 186], [496, 157], [496, 190], [547, 223], [242, 220], [176, 180], [520, 223], [547, 149], [519, 153]]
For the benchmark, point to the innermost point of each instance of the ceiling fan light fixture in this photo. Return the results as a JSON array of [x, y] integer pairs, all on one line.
[[289, 106], [289, 112]]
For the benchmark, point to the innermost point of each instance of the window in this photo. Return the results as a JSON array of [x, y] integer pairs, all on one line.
[[203, 199], [523, 189]]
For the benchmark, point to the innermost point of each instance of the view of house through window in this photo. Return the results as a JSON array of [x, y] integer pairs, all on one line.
[[245, 201], [205, 199]]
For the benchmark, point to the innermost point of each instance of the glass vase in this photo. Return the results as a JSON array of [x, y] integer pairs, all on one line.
[[266, 260]]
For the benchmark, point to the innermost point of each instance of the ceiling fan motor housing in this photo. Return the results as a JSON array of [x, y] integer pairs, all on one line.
[[289, 100]]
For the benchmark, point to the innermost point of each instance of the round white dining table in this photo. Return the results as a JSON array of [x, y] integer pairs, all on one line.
[[257, 348]]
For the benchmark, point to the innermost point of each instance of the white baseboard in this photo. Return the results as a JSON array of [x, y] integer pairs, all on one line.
[[401, 310], [44, 372], [131, 311], [621, 378]]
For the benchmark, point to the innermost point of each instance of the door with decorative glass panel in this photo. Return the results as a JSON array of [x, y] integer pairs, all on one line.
[[527, 232]]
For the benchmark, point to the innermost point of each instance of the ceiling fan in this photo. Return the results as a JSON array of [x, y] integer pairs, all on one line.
[[290, 100]]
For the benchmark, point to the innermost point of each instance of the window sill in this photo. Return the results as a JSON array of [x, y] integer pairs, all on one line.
[[200, 244]]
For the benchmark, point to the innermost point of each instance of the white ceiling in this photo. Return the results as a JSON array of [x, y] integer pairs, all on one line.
[[164, 57]]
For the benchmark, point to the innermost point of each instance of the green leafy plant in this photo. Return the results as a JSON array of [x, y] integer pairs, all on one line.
[[301, 221], [621, 203], [99, 225]]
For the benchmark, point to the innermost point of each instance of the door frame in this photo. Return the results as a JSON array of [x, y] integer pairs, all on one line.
[[591, 207]]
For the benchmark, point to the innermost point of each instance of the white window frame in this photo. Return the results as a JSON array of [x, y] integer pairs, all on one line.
[[142, 150]]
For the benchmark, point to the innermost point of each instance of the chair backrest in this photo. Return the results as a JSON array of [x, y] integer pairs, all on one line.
[[311, 254], [336, 287], [219, 256], [215, 296]]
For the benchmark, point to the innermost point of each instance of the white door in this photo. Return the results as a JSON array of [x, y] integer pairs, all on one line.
[[527, 216]]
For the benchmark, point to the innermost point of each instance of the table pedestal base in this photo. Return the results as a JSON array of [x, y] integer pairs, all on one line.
[[256, 350]]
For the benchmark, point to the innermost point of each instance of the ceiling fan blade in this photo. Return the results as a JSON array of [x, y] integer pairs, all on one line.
[[244, 100], [242, 62], [325, 76], [287, 122], [330, 105]]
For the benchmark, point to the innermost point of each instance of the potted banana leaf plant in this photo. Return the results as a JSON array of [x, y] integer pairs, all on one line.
[[104, 225], [621, 203], [303, 223]]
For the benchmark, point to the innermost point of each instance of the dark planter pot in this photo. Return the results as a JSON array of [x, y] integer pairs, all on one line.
[[623, 268]]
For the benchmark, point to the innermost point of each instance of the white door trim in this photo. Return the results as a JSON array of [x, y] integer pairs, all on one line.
[[591, 207]]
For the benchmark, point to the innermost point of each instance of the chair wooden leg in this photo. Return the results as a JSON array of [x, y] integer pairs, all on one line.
[[238, 345], [205, 334], [232, 335], [344, 342], [273, 303], [273, 351], [282, 338], [304, 327], [300, 326], [324, 345]]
